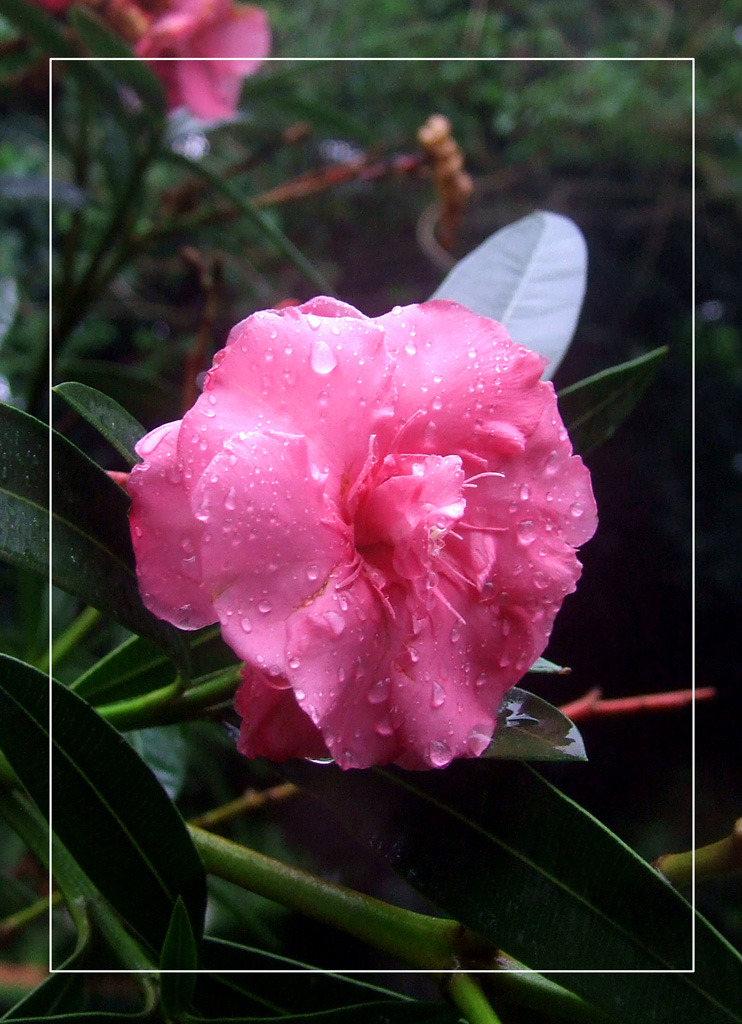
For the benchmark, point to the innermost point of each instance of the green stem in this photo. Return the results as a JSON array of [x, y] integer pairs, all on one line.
[[423, 941], [466, 992], [65, 644], [171, 703], [15, 922]]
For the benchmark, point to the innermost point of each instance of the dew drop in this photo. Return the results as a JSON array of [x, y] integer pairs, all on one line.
[[540, 581], [379, 691], [341, 675], [230, 502], [505, 627], [525, 492], [294, 662], [313, 321], [455, 635], [438, 696], [396, 310], [440, 754], [383, 726], [577, 510], [246, 624], [481, 679], [526, 532], [264, 607], [322, 359], [437, 403], [312, 572], [552, 463], [410, 348], [478, 740], [414, 654], [335, 621], [504, 660]]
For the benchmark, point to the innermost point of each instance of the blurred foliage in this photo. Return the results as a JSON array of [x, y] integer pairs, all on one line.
[[607, 142]]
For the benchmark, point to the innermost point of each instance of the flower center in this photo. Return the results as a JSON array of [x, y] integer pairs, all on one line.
[[409, 504]]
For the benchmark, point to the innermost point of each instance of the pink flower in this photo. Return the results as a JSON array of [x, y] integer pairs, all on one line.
[[381, 513], [206, 29], [55, 6]]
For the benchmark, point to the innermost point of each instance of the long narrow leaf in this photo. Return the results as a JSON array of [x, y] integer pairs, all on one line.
[[593, 408], [107, 807], [112, 421], [503, 851]]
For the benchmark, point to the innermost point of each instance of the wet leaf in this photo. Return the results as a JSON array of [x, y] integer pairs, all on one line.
[[109, 810], [593, 408], [530, 729], [530, 276], [498, 848], [106, 415]]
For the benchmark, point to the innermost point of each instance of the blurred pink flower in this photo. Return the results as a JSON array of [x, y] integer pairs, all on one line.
[[210, 29], [55, 6], [381, 513]]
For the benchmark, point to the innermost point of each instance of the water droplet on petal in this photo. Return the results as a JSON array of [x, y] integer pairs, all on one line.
[[379, 691], [414, 654], [341, 675], [526, 531], [230, 502], [481, 679], [410, 348], [384, 726], [455, 635], [552, 463], [294, 662], [577, 510], [438, 696], [313, 321], [525, 492], [440, 754], [478, 739], [322, 359], [264, 607], [186, 545], [246, 624], [437, 403], [540, 580], [335, 621], [312, 572]]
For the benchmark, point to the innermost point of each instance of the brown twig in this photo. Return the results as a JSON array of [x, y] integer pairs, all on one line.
[[250, 800], [592, 705], [453, 185]]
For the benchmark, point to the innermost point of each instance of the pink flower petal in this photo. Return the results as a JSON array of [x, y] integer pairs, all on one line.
[[165, 535], [267, 546], [327, 378], [273, 724]]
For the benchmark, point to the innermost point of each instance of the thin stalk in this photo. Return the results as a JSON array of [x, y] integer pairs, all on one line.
[[171, 703], [16, 922], [423, 941], [466, 992], [250, 800], [67, 641]]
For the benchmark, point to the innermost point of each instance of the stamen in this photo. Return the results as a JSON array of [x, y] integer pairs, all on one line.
[[480, 476]]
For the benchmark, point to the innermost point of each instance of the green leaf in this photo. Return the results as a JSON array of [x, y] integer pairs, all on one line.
[[180, 956], [103, 43], [24, 491], [106, 415], [530, 729], [142, 395], [108, 808], [164, 752], [39, 26], [593, 408], [517, 861]]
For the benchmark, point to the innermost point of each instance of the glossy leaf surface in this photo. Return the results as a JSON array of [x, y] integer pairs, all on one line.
[[24, 490], [530, 276], [530, 729], [108, 808], [520, 863], [106, 415], [594, 408]]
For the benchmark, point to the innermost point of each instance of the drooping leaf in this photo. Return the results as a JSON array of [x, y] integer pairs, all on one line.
[[255, 981], [530, 276], [530, 729], [165, 753], [107, 807], [178, 961], [504, 852], [593, 408], [106, 415], [123, 69]]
